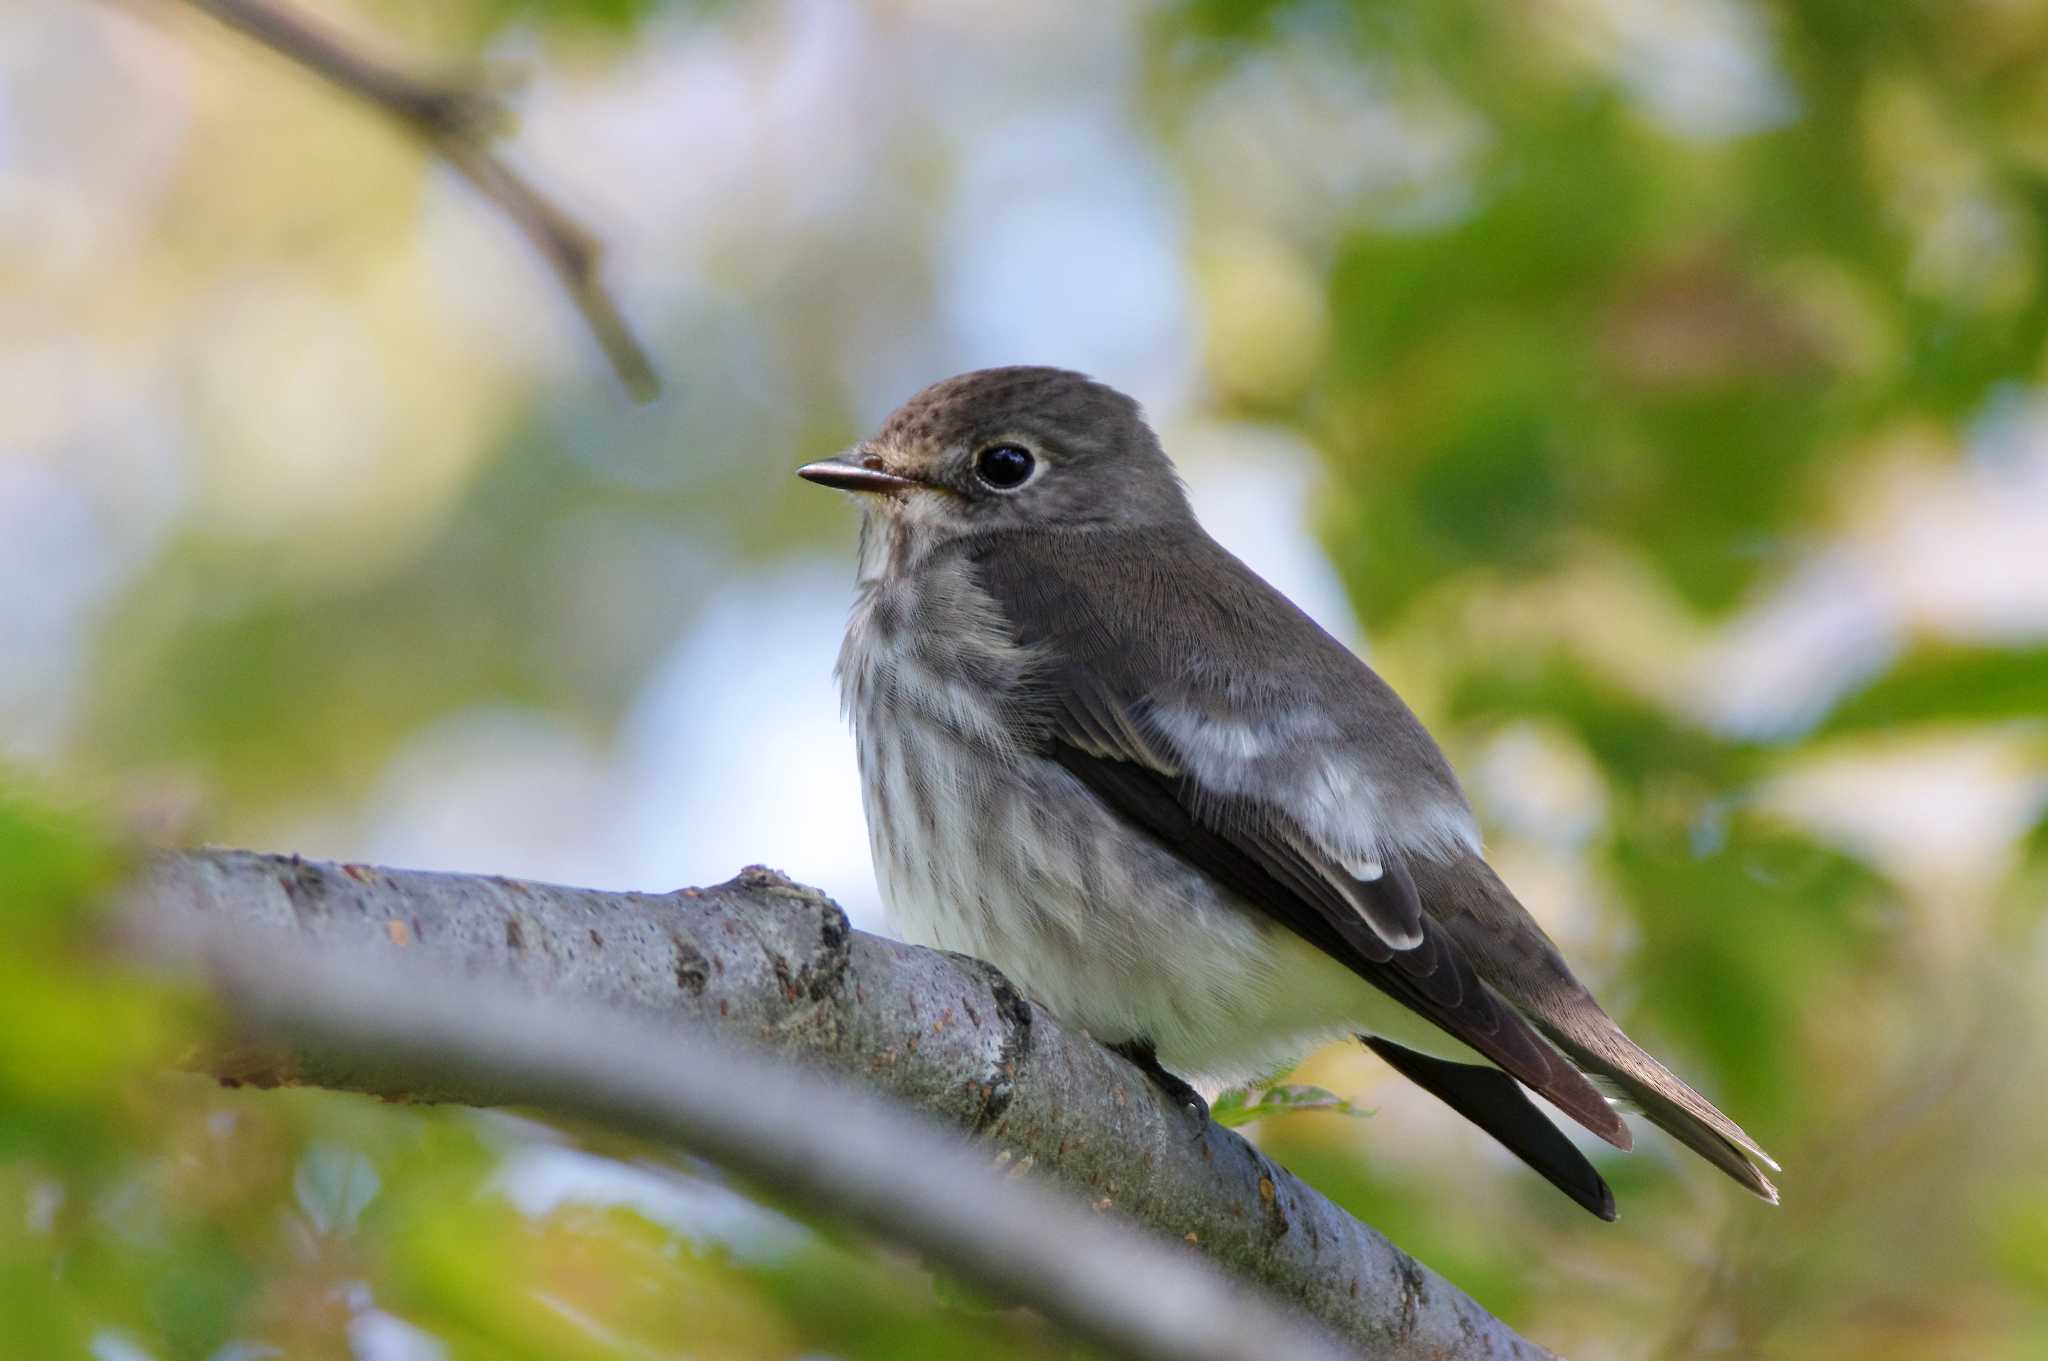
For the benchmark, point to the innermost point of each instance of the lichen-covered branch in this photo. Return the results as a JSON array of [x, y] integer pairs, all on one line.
[[775, 966]]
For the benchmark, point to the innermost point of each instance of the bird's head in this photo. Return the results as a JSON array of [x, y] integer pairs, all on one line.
[[1007, 449]]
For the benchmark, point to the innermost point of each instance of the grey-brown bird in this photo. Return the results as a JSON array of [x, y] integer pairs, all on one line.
[[1102, 754]]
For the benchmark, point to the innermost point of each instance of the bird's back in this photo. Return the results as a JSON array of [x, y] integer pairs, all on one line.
[[1265, 702], [1259, 702]]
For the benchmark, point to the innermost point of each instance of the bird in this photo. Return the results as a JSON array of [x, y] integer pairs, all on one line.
[[1099, 752]]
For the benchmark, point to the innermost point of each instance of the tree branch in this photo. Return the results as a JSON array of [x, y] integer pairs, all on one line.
[[459, 123], [831, 1148], [774, 966]]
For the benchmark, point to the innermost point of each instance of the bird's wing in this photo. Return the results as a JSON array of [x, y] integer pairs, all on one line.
[[1199, 703]]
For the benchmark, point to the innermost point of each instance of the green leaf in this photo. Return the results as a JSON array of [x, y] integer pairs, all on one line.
[[1950, 684], [1236, 1108], [1633, 741]]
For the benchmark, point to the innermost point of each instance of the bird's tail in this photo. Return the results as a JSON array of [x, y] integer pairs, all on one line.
[[1515, 957], [1666, 1101]]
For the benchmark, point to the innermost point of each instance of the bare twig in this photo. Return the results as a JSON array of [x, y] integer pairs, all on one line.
[[459, 123], [774, 966]]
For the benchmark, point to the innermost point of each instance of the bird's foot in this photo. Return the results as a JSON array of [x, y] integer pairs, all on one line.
[[1175, 1088]]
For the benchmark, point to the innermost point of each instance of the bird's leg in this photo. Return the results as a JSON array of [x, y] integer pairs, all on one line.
[[1176, 1089]]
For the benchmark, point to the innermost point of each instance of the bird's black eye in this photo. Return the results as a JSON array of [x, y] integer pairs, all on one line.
[[1004, 466]]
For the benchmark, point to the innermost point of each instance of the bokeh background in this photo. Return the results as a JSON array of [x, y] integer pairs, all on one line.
[[1652, 390]]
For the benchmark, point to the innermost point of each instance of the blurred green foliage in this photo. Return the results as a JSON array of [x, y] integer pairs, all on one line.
[[1611, 382], [1697, 352]]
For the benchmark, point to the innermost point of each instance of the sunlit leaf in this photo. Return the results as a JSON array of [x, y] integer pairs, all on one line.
[[1242, 1106]]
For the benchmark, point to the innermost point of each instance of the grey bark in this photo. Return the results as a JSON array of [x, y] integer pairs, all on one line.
[[775, 966], [825, 1145]]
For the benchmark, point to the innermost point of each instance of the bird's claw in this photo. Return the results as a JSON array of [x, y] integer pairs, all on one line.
[[1172, 1086]]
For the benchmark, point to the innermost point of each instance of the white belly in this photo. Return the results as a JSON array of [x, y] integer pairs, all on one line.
[[1001, 854], [1025, 868]]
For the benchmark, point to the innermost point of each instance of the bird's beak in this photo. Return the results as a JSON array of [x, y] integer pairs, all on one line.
[[857, 470]]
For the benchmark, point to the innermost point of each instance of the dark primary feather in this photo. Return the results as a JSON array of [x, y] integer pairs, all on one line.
[[1087, 594], [1491, 1100]]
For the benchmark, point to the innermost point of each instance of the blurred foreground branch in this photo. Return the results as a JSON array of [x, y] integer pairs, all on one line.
[[459, 123], [330, 954]]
